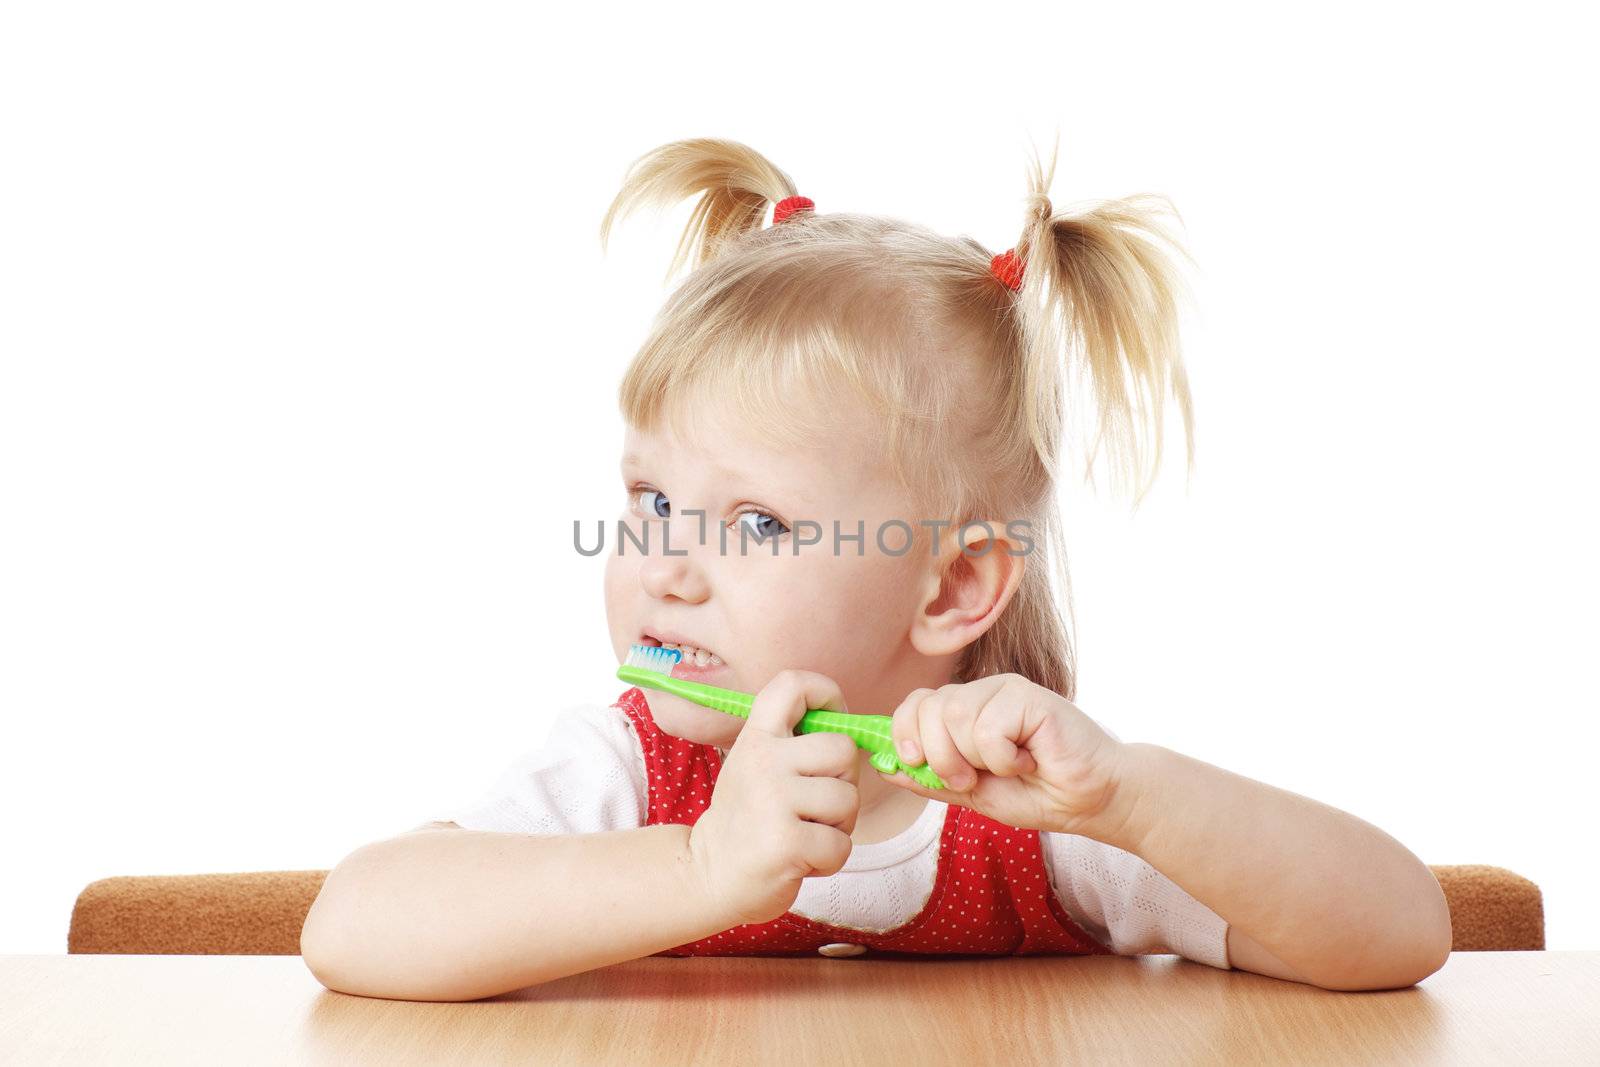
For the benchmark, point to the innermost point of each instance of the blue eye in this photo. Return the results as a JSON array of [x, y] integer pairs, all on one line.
[[765, 525], [660, 507]]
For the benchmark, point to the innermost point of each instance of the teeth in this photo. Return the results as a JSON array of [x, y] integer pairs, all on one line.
[[699, 657]]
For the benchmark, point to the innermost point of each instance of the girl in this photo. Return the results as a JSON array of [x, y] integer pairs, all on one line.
[[876, 413]]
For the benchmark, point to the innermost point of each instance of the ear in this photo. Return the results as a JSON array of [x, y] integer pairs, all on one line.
[[968, 589]]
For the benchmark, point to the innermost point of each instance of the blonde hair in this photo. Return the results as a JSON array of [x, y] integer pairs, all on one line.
[[971, 381]]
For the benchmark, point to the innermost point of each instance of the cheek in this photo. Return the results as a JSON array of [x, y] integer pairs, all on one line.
[[876, 597], [836, 615], [621, 575]]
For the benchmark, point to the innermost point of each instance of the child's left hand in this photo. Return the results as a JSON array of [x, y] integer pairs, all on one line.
[[1012, 750]]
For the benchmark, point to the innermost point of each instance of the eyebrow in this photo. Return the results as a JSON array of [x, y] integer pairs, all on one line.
[[735, 478]]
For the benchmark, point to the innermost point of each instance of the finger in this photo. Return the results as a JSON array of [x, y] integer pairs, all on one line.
[[963, 702], [993, 734], [781, 703], [960, 704], [826, 753], [823, 847], [905, 728], [943, 757], [826, 800], [906, 782]]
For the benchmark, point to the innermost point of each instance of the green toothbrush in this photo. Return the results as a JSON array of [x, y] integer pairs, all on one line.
[[651, 667]]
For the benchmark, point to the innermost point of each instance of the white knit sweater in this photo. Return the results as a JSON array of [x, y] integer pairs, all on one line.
[[589, 777]]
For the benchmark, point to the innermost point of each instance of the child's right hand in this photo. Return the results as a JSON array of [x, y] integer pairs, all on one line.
[[754, 842]]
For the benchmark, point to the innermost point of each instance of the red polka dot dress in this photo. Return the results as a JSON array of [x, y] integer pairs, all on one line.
[[991, 895]]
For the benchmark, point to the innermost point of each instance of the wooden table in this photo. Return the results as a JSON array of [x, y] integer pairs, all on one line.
[[1483, 1007]]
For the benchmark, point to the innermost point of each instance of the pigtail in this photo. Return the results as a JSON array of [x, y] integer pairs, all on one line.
[[736, 184], [1096, 288]]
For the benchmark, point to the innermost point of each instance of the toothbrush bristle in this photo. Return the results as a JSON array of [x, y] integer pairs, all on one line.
[[651, 658]]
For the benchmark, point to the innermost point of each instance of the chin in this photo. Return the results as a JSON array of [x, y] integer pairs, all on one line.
[[688, 720]]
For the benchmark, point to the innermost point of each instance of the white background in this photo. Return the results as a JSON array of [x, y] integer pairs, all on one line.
[[308, 357]]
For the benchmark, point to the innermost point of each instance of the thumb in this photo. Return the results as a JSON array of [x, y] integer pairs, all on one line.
[[783, 701]]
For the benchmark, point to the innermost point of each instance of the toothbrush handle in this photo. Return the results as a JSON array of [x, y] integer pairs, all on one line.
[[874, 734]]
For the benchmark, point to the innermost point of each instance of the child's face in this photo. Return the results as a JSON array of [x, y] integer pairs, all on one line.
[[844, 615]]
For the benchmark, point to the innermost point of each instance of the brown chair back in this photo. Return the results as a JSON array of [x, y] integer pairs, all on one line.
[[260, 914]]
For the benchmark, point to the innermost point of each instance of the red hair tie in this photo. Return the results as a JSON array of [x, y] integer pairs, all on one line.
[[789, 205], [1008, 268]]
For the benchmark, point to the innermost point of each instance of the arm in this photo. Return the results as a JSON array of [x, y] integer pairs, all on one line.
[[451, 914], [1311, 893]]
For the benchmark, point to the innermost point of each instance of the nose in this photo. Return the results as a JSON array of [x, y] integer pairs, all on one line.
[[673, 576]]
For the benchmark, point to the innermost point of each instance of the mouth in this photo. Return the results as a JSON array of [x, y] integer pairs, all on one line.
[[694, 657]]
